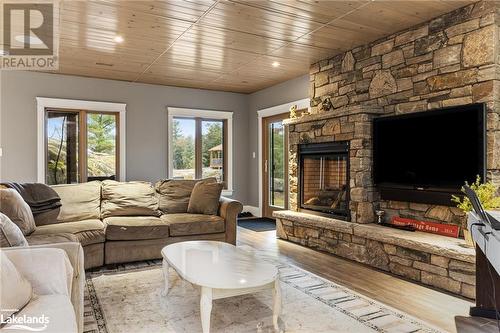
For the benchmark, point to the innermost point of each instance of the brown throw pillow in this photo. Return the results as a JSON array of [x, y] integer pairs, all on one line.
[[205, 198], [174, 194], [14, 206], [10, 234]]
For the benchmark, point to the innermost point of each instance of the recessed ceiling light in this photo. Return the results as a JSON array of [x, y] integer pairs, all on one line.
[[276, 64], [119, 39], [32, 40]]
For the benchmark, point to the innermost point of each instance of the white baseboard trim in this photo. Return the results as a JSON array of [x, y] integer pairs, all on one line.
[[252, 209]]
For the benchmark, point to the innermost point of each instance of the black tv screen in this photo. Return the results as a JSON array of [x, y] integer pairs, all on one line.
[[433, 150]]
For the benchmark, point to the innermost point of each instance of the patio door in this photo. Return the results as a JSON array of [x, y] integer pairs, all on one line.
[[275, 164]]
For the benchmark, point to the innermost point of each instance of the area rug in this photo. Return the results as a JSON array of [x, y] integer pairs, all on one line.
[[257, 224], [128, 299]]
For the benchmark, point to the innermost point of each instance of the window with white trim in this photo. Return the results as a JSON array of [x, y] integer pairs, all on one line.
[[79, 141], [81, 146], [200, 144]]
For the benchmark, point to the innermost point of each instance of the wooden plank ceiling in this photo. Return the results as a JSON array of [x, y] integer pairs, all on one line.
[[225, 45]]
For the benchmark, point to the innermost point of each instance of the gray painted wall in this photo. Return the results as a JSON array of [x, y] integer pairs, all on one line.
[[282, 93], [146, 121]]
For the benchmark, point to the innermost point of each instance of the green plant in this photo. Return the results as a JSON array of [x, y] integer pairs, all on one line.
[[487, 193]]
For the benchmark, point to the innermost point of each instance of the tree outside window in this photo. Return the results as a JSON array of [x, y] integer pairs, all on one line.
[[80, 146], [198, 148]]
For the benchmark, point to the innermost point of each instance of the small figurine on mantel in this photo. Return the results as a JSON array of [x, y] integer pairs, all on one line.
[[326, 105], [293, 111]]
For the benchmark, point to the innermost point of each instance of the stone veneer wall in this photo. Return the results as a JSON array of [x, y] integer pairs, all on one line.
[[450, 60]]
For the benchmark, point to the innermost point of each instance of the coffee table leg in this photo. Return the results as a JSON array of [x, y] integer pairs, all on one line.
[[165, 277], [276, 302], [205, 308]]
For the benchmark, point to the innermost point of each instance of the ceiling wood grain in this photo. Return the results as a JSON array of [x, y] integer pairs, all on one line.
[[223, 44]]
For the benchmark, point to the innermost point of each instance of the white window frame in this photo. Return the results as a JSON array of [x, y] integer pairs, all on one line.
[[209, 114], [44, 103]]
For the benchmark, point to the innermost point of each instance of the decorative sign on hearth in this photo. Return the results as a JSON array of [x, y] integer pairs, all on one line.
[[430, 227]]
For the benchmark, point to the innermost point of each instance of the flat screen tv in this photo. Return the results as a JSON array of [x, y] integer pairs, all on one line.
[[426, 156]]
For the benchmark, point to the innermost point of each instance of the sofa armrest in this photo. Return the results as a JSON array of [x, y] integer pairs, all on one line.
[[74, 254], [229, 210]]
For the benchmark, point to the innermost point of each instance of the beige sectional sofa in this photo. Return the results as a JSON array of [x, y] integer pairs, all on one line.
[[122, 222]]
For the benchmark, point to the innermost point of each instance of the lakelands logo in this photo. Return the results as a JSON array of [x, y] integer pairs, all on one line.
[[30, 35], [25, 323]]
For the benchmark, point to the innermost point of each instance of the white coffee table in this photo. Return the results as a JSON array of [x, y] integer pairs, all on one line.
[[221, 270]]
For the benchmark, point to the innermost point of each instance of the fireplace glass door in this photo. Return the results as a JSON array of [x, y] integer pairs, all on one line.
[[324, 183]]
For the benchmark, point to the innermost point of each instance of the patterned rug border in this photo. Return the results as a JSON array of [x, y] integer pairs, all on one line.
[[153, 264], [95, 306], [424, 326]]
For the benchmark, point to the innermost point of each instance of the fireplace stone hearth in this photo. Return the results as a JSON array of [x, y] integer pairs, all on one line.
[[441, 262]]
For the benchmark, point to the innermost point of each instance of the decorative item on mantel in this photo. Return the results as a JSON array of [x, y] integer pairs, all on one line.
[[380, 216], [305, 112], [326, 105], [293, 111], [488, 196], [381, 221], [426, 226]]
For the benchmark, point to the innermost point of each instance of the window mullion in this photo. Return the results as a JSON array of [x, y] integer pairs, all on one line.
[[198, 160], [83, 147], [224, 154]]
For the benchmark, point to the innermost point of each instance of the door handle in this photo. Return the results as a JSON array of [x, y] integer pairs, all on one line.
[[265, 166]]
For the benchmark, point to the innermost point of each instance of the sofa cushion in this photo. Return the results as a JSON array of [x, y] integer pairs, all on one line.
[[57, 308], [48, 269], [51, 238], [79, 202], [15, 289], [174, 194], [205, 198], [87, 231], [128, 199], [184, 224], [14, 206], [10, 234], [135, 228]]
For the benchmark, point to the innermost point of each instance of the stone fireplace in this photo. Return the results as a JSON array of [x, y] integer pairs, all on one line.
[[345, 134], [324, 178], [450, 60]]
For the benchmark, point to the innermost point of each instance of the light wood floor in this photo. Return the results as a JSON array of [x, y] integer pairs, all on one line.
[[447, 312]]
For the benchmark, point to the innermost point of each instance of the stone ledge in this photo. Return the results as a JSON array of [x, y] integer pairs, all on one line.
[[316, 221], [429, 259], [452, 248], [335, 113]]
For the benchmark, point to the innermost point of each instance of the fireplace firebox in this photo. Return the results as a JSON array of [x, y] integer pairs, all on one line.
[[324, 178]]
